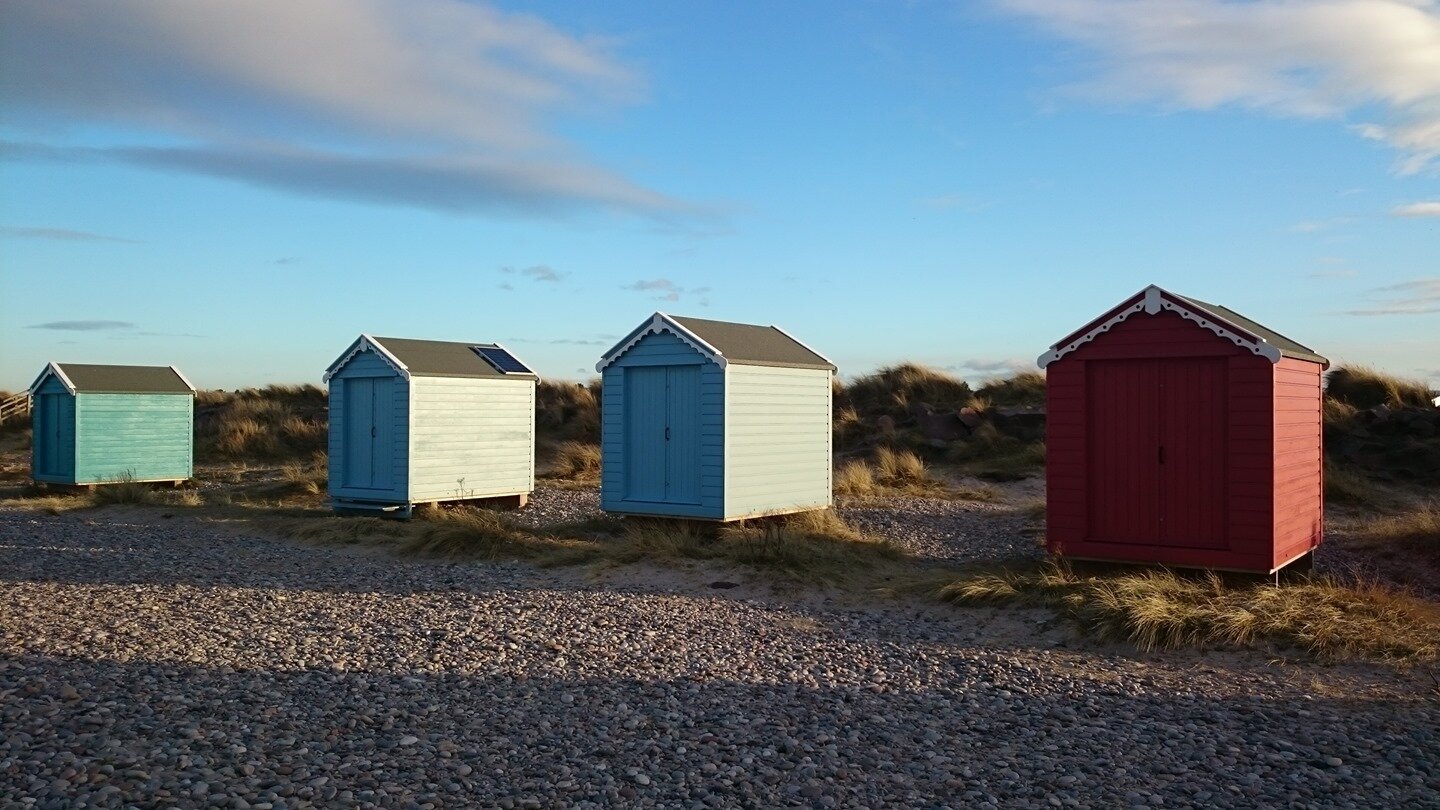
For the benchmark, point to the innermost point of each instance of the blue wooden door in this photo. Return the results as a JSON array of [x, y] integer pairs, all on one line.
[[662, 434], [682, 439], [368, 460], [48, 435], [645, 457]]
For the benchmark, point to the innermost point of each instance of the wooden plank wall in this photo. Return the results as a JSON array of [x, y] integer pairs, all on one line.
[[779, 456]]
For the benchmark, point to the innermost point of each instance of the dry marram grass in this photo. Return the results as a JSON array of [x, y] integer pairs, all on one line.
[[810, 546], [1163, 610]]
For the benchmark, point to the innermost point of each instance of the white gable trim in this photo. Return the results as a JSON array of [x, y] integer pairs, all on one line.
[[807, 347], [183, 379], [1154, 300], [660, 322], [366, 343], [59, 373]]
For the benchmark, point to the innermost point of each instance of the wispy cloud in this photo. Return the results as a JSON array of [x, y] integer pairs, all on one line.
[[667, 290], [1419, 209], [1331, 275], [1318, 225], [84, 326], [1285, 57], [562, 341], [990, 367], [61, 235], [286, 260], [538, 272], [441, 104], [1418, 297]]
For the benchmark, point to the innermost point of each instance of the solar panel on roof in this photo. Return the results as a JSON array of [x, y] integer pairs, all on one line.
[[503, 361]]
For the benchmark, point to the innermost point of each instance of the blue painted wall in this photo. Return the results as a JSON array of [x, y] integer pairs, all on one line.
[[362, 467], [671, 385]]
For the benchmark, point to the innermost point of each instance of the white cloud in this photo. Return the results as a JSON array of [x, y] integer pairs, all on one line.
[[396, 93], [1419, 209], [1418, 297], [1306, 58]]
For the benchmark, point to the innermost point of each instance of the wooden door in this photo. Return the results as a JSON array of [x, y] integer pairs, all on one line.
[[645, 456], [1123, 437], [682, 434], [1192, 456], [368, 462], [1157, 451], [662, 434], [48, 434]]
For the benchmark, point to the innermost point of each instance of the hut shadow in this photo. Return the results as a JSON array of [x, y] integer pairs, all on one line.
[[476, 738]]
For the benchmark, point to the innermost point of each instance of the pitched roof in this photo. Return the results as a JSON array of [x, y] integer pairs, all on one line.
[[87, 378], [727, 342], [1287, 347], [1223, 321], [431, 358]]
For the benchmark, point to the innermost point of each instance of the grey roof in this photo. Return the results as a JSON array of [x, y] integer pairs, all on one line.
[[96, 379], [1285, 345], [748, 344], [440, 358]]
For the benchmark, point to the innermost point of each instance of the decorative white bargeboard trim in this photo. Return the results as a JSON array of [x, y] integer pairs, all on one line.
[[53, 368], [1154, 300], [366, 343], [660, 322]]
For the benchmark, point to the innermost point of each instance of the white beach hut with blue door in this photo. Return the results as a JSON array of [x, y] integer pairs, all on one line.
[[424, 421], [714, 420]]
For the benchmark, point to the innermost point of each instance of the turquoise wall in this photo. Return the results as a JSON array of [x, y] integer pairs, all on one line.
[[142, 437]]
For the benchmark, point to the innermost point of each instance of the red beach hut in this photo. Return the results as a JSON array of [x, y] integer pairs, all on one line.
[[1183, 433]]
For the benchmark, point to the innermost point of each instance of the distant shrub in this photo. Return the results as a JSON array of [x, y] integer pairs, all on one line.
[[894, 390], [1026, 388], [568, 411], [1363, 387], [275, 422]]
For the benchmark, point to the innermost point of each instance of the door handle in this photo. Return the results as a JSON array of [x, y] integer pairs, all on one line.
[[667, 433], [1162, 454], [372, 431]]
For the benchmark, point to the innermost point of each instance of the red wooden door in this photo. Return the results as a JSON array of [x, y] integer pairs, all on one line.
[[1124, 430], [1156, 452], [1192, 452]]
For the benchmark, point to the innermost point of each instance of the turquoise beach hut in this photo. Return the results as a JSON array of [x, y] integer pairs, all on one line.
[[714, 420], [424, 421], [98, 424]]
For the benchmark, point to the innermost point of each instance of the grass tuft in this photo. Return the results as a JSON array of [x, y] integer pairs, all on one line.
[[125, 491], [1159, 609], [575, 461]]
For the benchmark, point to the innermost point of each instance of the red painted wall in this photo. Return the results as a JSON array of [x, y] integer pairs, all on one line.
[[1239, 488]]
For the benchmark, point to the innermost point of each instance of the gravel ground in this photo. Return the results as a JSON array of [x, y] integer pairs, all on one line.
[[954, 531], [148, 661]]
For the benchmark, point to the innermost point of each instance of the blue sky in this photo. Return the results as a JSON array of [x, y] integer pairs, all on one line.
[[242, 188]]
